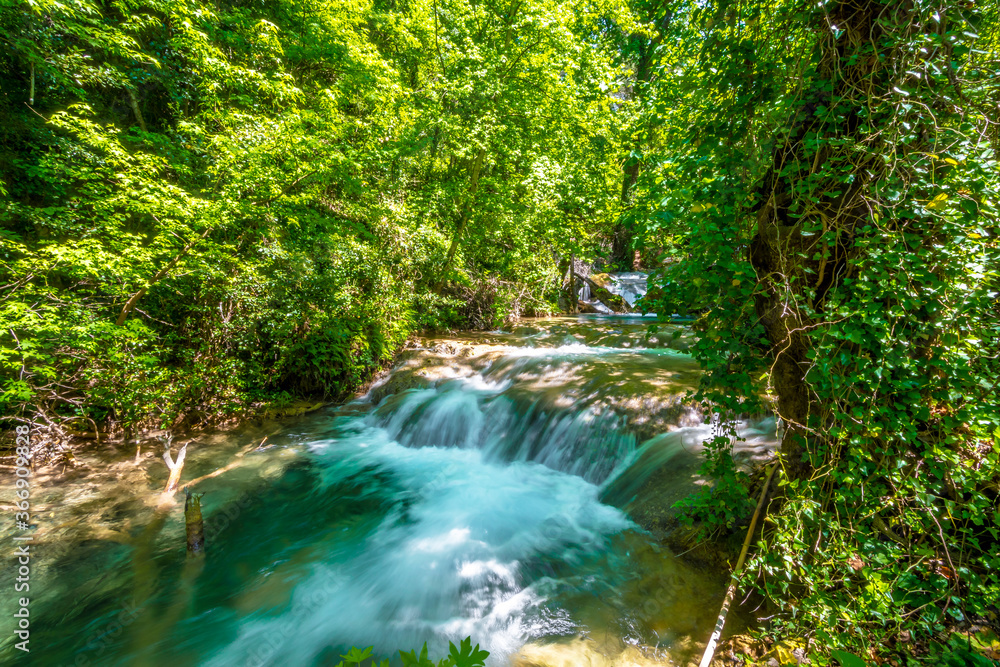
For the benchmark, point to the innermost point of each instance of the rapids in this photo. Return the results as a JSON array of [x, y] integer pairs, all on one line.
[[495, 484]]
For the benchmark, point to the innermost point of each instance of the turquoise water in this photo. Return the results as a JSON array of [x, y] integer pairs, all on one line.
[[463, 496]]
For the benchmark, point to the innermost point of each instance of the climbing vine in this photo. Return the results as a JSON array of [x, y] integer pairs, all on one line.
[[829, 211]]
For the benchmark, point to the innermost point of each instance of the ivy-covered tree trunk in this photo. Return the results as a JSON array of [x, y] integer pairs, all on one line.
[[812, 203], [835, 180]]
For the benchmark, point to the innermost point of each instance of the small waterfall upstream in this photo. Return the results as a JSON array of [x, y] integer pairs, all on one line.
[[630, 286], [487, 486]]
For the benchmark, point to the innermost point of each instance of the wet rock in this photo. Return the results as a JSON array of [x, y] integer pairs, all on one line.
[[612, 301], [294, 409], [616, 303], [738, 650], [399, 382], [445, 348]]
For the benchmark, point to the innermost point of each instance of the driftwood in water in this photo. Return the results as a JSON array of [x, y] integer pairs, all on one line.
[[229, 466], [612, 301], [151, 627], [194, 526], [175, 468]]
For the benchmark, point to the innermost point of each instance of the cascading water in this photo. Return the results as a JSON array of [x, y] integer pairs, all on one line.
[[629, 286], [482, 488]]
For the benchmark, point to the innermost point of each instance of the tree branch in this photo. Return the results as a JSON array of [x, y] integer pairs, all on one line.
[[285, 190], [130, 304], [134, 103]]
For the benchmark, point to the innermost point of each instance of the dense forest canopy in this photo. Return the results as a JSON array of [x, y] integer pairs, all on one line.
[[208, 208], [211, 205]]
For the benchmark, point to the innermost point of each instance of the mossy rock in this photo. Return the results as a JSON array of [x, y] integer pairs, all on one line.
[[601, 279], [612, 301]]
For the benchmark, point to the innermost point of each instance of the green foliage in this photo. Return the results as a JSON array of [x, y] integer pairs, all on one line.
[[464, 655], [838, 244], [358, 656], [847, 659], [958, 651], [726, 504], [210, 207]]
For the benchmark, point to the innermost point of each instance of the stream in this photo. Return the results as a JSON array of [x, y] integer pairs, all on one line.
[[508, 485]]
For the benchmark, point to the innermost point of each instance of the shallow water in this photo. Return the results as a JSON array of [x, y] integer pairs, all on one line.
[[482, 488]]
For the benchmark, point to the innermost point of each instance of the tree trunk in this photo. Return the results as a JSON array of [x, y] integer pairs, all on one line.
[[623, 255], [477, 167], [796, 268], [134, 103], [621, 241], [574, 297]]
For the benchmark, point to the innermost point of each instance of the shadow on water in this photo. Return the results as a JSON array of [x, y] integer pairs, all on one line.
[[482, 488]]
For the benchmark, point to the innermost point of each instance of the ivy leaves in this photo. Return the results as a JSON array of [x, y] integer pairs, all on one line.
[[851, 230]]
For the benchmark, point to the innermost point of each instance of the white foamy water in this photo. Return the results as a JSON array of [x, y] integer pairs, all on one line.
[[463, 499], [448, 561]]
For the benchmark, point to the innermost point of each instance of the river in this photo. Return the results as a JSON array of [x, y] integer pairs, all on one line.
[[508, 485]]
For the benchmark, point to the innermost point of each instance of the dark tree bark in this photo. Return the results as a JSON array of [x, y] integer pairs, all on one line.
[[797, 269], [622, 256]]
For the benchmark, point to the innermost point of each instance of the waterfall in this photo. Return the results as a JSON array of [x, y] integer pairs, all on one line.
[[496, 484]]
